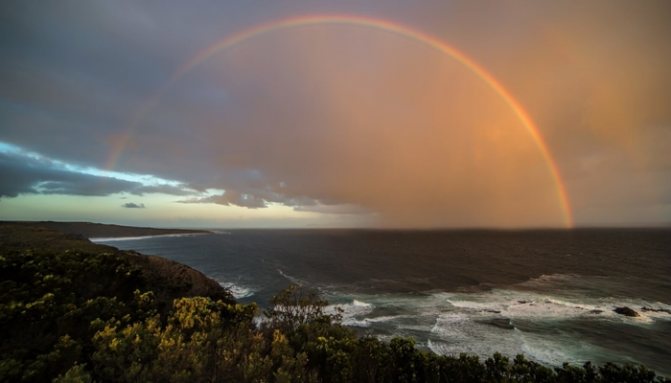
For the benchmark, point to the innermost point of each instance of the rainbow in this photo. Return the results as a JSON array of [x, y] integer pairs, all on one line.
[[366, 22]]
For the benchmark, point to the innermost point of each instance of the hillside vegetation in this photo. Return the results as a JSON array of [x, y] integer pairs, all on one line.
[[99, 230], [73, 311]]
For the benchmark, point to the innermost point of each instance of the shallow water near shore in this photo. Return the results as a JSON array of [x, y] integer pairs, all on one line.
[[547, 294]]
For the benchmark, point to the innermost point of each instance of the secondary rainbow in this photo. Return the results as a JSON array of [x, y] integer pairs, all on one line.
[[366, 22]]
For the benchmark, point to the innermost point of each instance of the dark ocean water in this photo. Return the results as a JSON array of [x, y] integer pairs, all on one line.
[[547, 294]]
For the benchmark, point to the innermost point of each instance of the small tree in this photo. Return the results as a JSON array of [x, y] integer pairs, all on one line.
[[296, 306]]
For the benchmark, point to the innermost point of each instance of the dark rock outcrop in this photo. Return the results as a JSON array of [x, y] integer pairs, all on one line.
[[626, 311], [650, 309]]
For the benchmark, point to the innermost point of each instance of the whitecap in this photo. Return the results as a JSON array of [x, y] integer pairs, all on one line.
[[238, 291], [549, 279], [291, 278], [528, 305], [358, 303], [351, 313], [456, 333]]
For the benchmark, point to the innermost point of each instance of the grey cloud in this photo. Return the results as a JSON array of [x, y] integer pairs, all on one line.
[[334, 209], [23, 174], [231, 197], [133, 205], [182, 190], [256, 198]]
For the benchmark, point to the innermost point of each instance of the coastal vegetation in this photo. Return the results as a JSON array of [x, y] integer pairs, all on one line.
[[73, 311]]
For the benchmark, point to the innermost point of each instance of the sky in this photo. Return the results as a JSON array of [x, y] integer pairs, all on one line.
[[311, 114]]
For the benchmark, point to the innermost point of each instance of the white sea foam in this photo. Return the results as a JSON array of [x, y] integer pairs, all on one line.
[[457, 333], [357, 303], [353, 308], [236, 290], [491, 307], [551, 352], [550, 279], [367, 322], [527, 305], [498, 320], [352, 312], [291, 278]]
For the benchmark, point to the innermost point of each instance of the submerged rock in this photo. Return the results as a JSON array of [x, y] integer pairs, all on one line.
[[624, 310]]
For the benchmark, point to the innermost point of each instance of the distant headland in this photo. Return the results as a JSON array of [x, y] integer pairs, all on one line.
[[101, 230]]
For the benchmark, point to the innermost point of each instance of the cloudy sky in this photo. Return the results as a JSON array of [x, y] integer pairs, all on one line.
[[111, 112]]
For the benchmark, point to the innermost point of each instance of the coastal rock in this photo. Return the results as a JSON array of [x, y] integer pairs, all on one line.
[[626, 311], [650, 309]]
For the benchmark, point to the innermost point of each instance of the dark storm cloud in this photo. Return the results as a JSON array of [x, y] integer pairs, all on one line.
[[25, 175], [133, 205], [82, 69]]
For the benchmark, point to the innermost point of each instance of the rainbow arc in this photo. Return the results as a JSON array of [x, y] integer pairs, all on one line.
[[366, 22]]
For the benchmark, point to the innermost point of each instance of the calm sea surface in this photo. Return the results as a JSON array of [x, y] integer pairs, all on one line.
[[547, 294]]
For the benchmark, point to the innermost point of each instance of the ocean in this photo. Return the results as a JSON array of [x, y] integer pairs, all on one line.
[[547, 294]]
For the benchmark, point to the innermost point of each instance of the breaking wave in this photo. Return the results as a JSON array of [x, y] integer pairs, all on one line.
[[290, 278], [510, 321], [238, 291], [350, 312]]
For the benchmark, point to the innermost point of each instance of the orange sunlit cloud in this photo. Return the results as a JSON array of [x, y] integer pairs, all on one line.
[[387, 124]]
